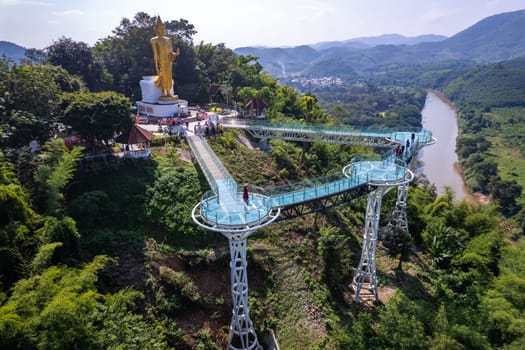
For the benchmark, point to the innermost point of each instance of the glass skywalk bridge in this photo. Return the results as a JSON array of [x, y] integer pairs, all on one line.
[[224, 207]]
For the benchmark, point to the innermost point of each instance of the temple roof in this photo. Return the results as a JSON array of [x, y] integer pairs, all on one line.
[[135, 135], [216, 88], [255, 103]]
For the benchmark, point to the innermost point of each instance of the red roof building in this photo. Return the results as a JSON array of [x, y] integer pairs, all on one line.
[[136, 142]]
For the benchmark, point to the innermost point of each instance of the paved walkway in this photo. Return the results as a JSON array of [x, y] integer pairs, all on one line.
[[203, 153]]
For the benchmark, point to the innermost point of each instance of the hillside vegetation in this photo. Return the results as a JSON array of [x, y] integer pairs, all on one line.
[[168, 281], [491, 146], [496, 85]]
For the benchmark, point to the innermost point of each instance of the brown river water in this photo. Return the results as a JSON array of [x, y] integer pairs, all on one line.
[[439, 162]]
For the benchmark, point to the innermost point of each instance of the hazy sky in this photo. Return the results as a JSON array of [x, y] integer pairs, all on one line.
[[36, 23]]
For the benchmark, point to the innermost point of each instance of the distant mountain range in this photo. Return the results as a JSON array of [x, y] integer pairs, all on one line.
[[385, 39], [12, 50], [495, 38]]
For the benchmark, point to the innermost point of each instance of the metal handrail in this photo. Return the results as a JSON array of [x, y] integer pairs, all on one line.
[[229, 182], [399, 134]]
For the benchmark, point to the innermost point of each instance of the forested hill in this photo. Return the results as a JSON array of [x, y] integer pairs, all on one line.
[[495, 38], [494, 85], [385, 39], [499, 37], [11, 50]]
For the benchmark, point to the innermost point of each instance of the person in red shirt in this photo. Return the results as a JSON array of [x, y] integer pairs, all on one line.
[[245, 194]]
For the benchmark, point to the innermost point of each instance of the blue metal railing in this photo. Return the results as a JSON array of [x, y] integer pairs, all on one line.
[[399, 134]]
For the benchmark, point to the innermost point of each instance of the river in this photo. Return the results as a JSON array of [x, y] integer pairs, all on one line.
[[439, 161]]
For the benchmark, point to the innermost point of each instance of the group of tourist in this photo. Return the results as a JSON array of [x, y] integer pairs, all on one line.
[[208, 129], [404, 150]]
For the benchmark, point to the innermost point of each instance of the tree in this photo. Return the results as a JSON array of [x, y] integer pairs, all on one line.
[[61, 308], [246, 94], [483, 171], [57, 167], [288, 102], [89, 209], [266, 95], [96, 116], [308, 106], [168, 200], [16, 217], [35, 89], [397, 240], [441, 339], [333, 247], [127, 55], [246, 73], [28, 106], [506, 193], [35, 56], [442, 242], [214, 62], [78, 59], [399, 326], [22, 127]]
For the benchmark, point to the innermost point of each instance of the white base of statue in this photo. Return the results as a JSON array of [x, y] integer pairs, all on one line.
[[152, 104], [151, 93], [157, 110]]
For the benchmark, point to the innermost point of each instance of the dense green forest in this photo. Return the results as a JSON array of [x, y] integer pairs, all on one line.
[[491, 145], [104, 255]]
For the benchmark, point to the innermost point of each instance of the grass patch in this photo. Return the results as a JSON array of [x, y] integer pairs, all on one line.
[[507, 136]]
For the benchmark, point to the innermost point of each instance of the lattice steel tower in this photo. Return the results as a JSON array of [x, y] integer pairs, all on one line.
[[242, 333], [365, 277]]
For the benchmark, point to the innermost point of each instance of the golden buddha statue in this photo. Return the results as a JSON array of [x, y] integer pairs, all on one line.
[[164, 58]]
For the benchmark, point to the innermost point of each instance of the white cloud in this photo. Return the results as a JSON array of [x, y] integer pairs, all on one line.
[[68, 13], [437, 15], [317, 8], [25, 2]]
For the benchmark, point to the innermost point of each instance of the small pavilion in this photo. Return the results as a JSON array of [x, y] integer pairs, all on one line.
[[136, 142]]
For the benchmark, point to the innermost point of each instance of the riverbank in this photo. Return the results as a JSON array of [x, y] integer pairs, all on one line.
[[473, 197], [445, 100]]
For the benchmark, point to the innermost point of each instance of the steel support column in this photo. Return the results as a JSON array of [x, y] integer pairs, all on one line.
[[242, 334], [365, 277], [399, 214]]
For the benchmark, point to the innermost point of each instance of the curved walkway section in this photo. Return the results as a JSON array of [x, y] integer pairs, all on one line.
[[354, 176]]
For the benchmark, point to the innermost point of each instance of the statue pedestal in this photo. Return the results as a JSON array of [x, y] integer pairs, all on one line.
[[158, 110], [153, 104], [150, 93]]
